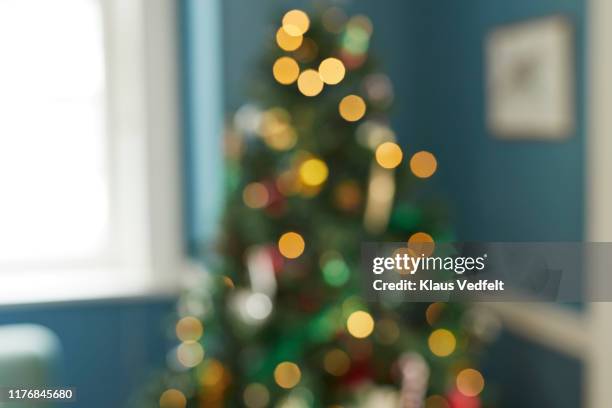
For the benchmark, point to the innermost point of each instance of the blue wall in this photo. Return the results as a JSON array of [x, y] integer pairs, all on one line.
[[504, 191], [109, 348]]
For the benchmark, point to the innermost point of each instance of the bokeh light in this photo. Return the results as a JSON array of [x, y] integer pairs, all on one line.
[[387, 331], [433, 312], [286, 70], [352, 108], [291, 245], [296, 22], [172, 398], [276, 130], [307, 52], [313, 172], [189, 329], [332, 71], [258, 306], [360, 324], [288, 42], [255, 195], [190, 353], [287, 374], [335, 272], [421, 244], [423, 164], [442, 342], [356, 38], [336, 362], [389, 155], [310, 83], [212, 373], [256, 395], [348, 195], [470, 382]]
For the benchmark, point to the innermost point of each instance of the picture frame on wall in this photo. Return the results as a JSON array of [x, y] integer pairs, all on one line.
[[530, 79]]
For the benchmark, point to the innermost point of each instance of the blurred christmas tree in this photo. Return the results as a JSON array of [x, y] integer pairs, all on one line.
[[313, 171]]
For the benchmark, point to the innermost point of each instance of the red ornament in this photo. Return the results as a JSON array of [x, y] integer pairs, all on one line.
[[458, 400]]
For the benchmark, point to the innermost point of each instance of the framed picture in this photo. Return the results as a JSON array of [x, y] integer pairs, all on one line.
[[530, 79]]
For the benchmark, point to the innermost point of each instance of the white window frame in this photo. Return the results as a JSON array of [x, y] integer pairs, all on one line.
[[143, 127]]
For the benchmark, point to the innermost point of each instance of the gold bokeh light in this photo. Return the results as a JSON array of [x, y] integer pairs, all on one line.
[[352, 108], [433, 312], [291, 245], [255, 195], [285, 70], [336, 362], [389, 155], [189, 329], [313, 172], [332, 71], [421, 244], [423, 164], [172, 398], [442, 342], [190, 353], [470, 382], [288, 42], [296, 22], [256, 395], [360, 324], [310, 83], [287, 374]]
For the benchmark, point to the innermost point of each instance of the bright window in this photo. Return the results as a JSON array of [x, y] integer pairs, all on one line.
[[54, 166]]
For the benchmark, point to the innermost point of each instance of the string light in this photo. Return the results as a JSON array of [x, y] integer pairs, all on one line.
[[356, 38], [286, 70], [421, 244], [291, 245], [352, 108], [336, 362], [189, 329], [190, 353], [433, 312], [470, 382], [332, 71], [212, 373], [287, 375], [389, 155], [258, 306], [172, 398], [256, 395], [310, 83], [348, 195], [442, 342], [276, 130], [307, 52], [296, 22], [423, 164], [288, 42], [255, 195], [335, 272], [313, 172], [360, 324]]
